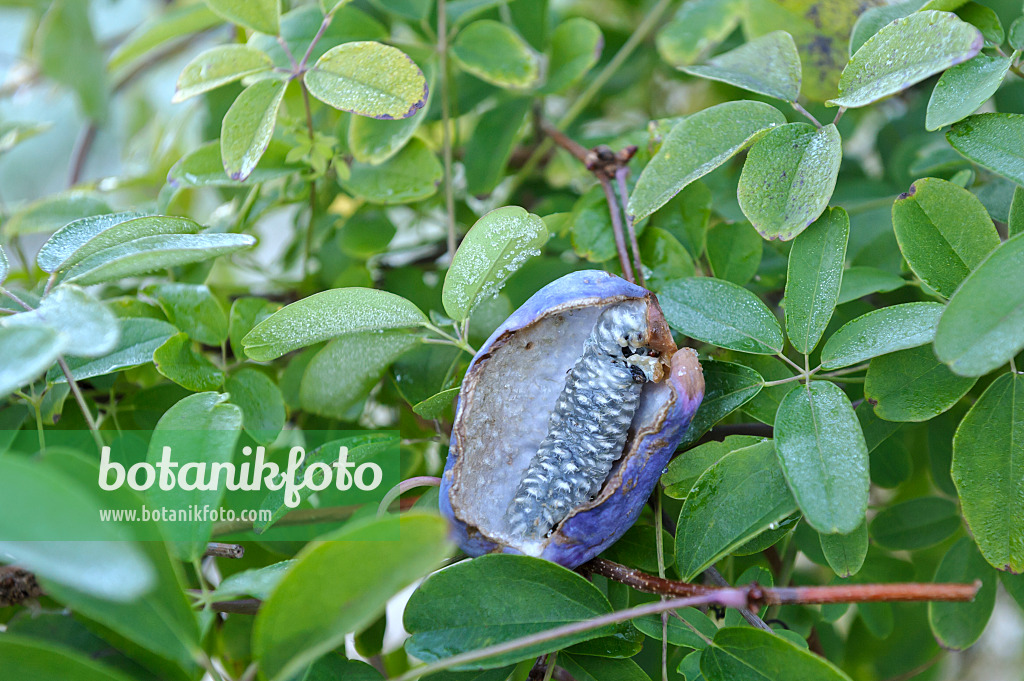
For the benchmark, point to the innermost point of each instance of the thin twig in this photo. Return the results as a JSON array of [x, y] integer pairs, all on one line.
[[620, 240], [620, 178], [806, 114], [760, 595], [316, 38], [735, 598], [81, 152], [403, 487], [308, 248], [446, 132], [76, 391], [752, 618]]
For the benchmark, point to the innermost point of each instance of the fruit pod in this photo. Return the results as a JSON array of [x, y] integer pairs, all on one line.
[[537, 407]]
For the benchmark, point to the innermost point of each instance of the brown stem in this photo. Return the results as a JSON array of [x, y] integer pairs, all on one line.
[[582, 154], [81, 153], [620, 178], [620, 240], [752, 618], [243, 606], [221, 550], [758, 595]]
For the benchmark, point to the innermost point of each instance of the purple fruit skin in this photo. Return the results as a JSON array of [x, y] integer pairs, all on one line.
[[586, 534]]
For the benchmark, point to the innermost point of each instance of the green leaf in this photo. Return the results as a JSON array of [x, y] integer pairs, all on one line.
[[638, 549], [342, 374], [259, 15], [495, 53], [988, 449], [328, 314], [696, 28], [683, 471], [727, 387], [879, 332], [141, 256], [749, 653], [943, 231], [66, 50], [39, 660], [875, 18], [434, 406], [590, 668], [906, 52], [219, 66], [964, 88], [680, 632], [193, 309], [53, 212], [814, 278], [255, 582], [204, 167], [686, 217], [863, 281], [985, 19], [59, 507], [958, 625], [575, 48], [492, 251], [980, 330], [410, 175], [1015, 220], [733, 501], [697, 145], [845, 553], [993, 141], [911, 385], [248, 125], [666, 258], [490, 147], [86, 326], [721, 313], [466, 607], [915, 524], [768, 65], [734, 252], [369, 79], [374, 141], [245, 314], [1016, 34], [179, 361], [592, 236], [261, 402], [201, 429], [821, 446], [304, 23], [140, 337], [342, 584], [13, 133], [77, 240], [788, 178]]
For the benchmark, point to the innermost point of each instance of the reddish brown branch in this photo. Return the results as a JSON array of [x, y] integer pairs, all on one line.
[[758, 595], [620, 239]]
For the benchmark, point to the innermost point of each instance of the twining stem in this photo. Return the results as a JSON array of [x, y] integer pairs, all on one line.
[[446, 132], [659, 547], [620, 178], [77, 392], [752, 618], [757, 596], [403, 487], [620, 239]]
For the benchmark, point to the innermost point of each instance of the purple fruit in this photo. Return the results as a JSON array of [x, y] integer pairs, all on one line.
[[566, 418]]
